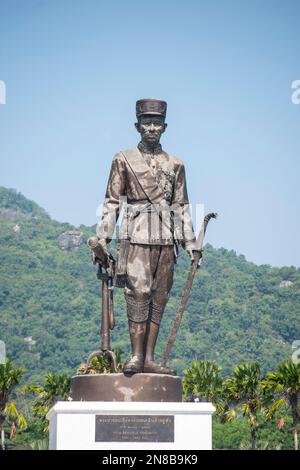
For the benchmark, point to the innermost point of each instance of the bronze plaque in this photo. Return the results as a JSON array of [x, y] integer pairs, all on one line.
[[134, 428]]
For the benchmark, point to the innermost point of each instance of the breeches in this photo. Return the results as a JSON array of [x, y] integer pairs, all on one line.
[[149, 280]]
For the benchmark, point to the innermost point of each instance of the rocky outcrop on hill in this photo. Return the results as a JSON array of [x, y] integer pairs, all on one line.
[[70, 239]]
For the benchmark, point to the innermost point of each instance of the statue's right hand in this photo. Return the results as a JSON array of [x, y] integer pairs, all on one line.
[[103, 243]]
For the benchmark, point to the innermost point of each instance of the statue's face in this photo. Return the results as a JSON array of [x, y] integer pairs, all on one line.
[[151, 128]]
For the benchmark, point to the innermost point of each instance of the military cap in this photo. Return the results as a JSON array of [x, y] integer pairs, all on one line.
[[151, 106]]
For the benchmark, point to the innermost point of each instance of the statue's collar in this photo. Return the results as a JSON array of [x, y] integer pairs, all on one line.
[[152, 150]]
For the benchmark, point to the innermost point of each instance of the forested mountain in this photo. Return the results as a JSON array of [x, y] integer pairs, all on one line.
[[50, 300]]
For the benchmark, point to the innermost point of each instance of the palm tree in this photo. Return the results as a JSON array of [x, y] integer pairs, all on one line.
[[283, 386], [244, 391], [56, 387], [202, 381], [10, 377]]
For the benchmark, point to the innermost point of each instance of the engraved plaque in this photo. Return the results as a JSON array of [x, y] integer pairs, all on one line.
[[134, 428]]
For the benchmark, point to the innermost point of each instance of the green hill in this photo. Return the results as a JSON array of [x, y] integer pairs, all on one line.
[[50, 300]]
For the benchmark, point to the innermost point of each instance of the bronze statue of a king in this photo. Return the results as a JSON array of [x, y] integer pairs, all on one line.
[[151, 186]]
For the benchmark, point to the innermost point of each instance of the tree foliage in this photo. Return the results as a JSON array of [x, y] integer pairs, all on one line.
[[10, 377]]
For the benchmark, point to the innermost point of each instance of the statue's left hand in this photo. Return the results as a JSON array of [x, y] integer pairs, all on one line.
[[191, 253], [191, 250]]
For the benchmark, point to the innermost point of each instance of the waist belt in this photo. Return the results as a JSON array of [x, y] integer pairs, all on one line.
[[136, 208]]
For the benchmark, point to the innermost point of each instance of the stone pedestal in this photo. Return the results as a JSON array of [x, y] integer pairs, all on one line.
[[130, 425], [118, 387]]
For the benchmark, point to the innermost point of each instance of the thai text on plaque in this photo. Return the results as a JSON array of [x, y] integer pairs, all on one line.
[[134, 428]]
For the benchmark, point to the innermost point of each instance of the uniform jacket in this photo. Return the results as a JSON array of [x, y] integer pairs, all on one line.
[[133, 177]]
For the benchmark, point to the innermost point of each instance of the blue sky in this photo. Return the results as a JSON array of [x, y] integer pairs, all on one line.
[[74, 69]]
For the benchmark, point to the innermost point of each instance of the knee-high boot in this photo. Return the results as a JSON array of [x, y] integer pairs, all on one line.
[[150, 366], [137, 337]]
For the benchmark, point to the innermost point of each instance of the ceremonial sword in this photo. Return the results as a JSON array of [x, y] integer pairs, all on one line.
[[196, 263]]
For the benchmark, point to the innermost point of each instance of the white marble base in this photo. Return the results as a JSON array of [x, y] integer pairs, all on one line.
[[72, 424]]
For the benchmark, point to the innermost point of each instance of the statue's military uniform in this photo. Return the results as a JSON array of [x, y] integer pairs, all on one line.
[[152, 183], [150, 186]]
